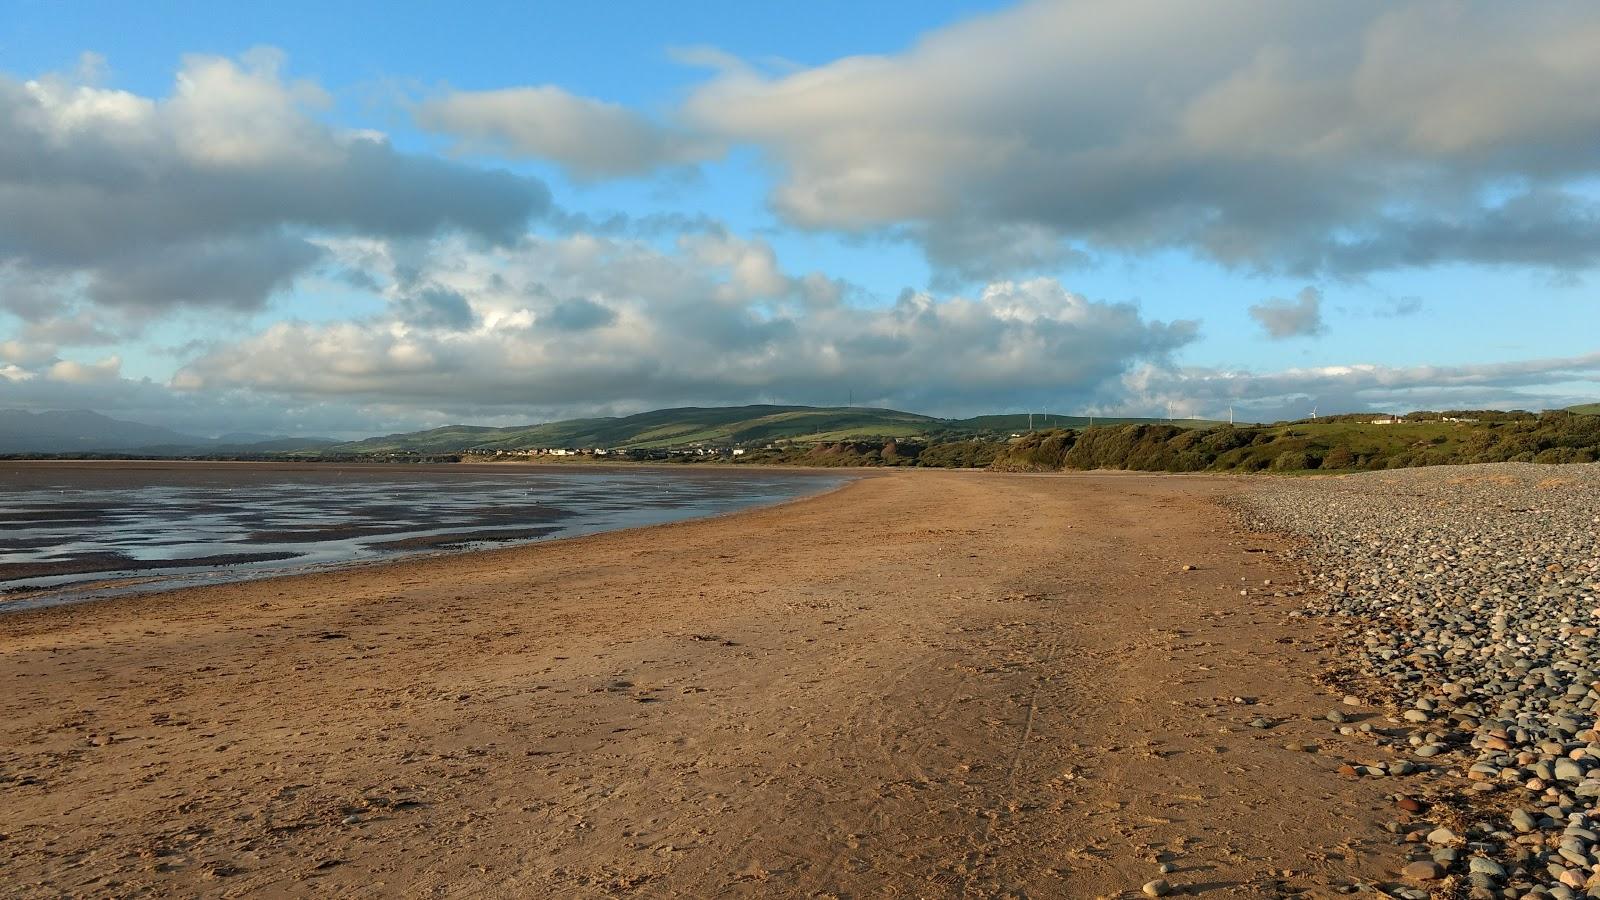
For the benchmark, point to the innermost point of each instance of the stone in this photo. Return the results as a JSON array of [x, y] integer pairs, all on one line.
[[1157, 888], [1523, 821], [1482, 865], [1421, 870]]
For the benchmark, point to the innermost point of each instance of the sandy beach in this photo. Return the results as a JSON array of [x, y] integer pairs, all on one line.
[[924, 684]]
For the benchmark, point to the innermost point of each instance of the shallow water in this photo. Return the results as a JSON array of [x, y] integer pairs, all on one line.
[[75, 532]]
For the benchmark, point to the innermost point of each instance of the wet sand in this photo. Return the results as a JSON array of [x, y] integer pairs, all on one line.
[[923, 684], [70, 530]]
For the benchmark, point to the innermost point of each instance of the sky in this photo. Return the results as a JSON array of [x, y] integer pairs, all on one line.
[[356, 218]]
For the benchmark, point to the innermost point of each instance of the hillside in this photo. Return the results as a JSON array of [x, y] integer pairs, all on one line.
[[660, 428], [1342, 446], [1587, 409]]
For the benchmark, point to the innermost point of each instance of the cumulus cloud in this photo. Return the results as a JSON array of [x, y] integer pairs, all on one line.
[[1295, 137], [589, 138], [580, 322], [213, 196], [1293, 393], [1281, 318]]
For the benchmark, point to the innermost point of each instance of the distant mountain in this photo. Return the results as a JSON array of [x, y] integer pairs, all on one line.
[[78, 431], [82, 431]]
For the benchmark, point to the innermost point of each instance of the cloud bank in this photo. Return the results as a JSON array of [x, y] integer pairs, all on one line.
[[1299, 137], [576, 321]]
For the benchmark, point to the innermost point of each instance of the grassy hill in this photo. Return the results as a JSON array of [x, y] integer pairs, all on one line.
[[683, 427], [724, 426], [1588, 409]]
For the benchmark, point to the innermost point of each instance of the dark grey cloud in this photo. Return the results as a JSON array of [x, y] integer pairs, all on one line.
[[1282, 318], [231, 272], [436, 308], [577, 314]]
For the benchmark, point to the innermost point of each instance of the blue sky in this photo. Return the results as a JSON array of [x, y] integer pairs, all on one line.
[[949, 207]]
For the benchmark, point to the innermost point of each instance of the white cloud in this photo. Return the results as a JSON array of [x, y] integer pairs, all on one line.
[[211, 197], [1292, 393], [589, 138], [584, 322], [73, 372], [1296, 137]]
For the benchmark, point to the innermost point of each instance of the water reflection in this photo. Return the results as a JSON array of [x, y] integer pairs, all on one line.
[[63, 528]]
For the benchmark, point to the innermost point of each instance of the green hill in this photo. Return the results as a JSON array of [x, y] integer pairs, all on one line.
[[684, 427], [726, 426], [1588, 409]]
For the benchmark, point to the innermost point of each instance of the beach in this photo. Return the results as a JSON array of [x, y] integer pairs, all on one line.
[[924, 683]]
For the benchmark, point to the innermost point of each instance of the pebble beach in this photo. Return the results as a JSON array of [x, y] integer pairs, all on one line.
[[1467, 600]]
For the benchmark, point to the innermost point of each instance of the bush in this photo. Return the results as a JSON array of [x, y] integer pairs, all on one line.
[[1339, 458], [1293, 461]]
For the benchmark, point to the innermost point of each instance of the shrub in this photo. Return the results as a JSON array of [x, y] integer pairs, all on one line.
[[1293, 461]]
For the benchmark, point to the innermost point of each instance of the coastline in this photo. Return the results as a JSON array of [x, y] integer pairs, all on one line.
[[919, 681], [138, 577]]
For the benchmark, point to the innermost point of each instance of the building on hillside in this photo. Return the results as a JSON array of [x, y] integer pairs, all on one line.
[[1387, 420]]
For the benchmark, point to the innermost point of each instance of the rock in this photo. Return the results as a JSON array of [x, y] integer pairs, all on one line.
[[1469, 598], [1523, 821], [1157, 888], [1482, 865], [1421, 870]]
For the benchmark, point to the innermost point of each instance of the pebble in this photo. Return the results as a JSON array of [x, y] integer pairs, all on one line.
[[1157, 888], [1468, 602], [1482, 865], [1421, 870]]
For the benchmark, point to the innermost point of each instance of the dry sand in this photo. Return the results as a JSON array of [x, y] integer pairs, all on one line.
[[925, 684]]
